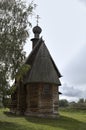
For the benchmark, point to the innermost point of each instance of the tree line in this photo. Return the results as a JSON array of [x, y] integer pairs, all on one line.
[[79, 105]]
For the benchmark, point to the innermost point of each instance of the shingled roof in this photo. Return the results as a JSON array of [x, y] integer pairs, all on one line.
[[43, 68]]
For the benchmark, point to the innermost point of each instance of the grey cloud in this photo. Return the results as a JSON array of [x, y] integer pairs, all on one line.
[[73, 92], [84, 1]]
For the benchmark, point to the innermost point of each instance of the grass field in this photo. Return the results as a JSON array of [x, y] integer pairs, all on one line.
[[69, 120]]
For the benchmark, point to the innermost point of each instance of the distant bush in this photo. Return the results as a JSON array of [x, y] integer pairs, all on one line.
[[63, 103], [80, 105]]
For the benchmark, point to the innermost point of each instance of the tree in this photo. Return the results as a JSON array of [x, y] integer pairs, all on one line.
[[3, 84], [14, 26], [81, 100], [63, 103]]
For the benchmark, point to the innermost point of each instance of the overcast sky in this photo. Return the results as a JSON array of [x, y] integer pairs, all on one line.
[[63, 24]]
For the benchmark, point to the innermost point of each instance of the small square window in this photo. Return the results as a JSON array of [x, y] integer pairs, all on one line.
[[46, 89]]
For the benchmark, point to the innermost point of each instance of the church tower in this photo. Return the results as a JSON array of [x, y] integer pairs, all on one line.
[[41, 83]]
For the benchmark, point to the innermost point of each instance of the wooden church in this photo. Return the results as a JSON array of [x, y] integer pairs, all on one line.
[[38, 94]]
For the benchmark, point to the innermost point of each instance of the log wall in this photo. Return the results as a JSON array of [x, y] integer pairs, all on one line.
[[40, 103]]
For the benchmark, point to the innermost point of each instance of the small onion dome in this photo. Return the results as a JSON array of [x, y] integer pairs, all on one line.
[[37, 30]]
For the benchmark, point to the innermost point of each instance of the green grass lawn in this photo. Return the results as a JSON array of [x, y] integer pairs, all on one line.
[[68, 120]]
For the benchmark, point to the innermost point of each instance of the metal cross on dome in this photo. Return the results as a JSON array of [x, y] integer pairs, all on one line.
[[37, 17]]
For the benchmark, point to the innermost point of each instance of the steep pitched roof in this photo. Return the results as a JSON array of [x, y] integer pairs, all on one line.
[[43, 68]]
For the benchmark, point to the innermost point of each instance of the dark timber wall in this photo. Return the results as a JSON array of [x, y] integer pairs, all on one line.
[[42, 100]]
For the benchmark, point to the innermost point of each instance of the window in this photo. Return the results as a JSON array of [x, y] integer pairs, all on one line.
[[46, 89]]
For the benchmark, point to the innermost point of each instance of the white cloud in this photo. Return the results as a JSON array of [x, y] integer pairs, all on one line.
[[75, 72]]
